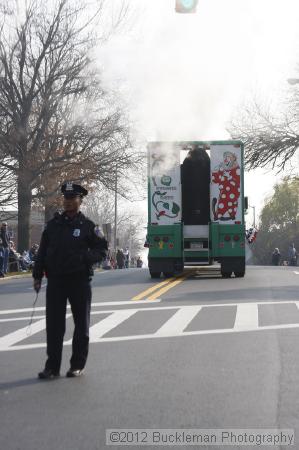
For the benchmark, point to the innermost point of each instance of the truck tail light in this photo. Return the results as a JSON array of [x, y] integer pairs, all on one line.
[[236, 237], [227, 238], [221, 245]]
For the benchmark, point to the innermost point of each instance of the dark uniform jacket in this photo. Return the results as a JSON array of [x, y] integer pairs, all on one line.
[[69, 246]]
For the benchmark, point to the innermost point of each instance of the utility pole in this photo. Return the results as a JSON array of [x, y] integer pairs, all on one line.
[[115, 210]]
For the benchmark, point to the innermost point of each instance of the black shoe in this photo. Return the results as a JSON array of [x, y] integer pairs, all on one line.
[[48, 374], [72, 373]]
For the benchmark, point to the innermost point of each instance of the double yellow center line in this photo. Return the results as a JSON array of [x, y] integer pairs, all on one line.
[[154, 292]]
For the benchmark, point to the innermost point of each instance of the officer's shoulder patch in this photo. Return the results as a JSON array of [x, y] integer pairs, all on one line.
[[97, 231]]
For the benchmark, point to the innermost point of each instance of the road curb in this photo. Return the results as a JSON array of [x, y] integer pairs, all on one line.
[[13, 277], [29, 275]]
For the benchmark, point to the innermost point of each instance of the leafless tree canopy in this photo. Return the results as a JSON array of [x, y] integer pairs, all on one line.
[[270, 139], [57, 122], [8, 193], [99, 206]]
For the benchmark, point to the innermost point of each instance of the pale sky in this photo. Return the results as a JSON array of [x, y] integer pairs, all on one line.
[[183, 76]]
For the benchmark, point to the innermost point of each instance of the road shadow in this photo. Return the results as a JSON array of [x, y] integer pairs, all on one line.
[[19, 383]]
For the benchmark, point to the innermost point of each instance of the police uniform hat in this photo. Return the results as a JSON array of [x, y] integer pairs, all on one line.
[[70, 189]]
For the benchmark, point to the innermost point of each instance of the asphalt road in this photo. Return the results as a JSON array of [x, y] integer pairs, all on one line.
[[197, 352]]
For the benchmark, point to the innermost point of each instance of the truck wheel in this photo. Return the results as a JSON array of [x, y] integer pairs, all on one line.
[[168, 274], [226, 274], [239, 274], [155, 274]]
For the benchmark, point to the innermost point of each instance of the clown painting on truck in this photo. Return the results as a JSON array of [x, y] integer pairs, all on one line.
[[227, 176], [196, 206]]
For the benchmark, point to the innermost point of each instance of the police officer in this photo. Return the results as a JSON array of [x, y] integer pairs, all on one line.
[[68, 249]]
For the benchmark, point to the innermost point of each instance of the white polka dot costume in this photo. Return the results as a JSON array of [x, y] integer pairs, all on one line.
[[227, 176]]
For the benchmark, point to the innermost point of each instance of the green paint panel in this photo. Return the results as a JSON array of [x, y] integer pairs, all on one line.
[[169, 244], [221, 247]]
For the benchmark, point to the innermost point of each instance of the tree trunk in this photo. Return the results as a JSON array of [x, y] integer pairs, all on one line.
[[50, 210], [24, 211]]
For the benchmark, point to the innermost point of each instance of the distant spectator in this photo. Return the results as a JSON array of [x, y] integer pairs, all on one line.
[[13, 259], [28, 263], [16, 261], [120, 259], [276, 257], [112, 263], [106, 264], [33, 252], [5, 237], [139, 262], [1, 259], [127, 257], [132, 262], [292, 255]]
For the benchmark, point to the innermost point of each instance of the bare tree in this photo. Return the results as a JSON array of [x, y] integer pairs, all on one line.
[[99, 206], [270, 139], [86, 148], [8, 194], [132, 236], [46, 78]]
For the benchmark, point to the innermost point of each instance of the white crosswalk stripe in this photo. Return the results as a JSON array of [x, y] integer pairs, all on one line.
[[179, 321], [246, 319], [96, 304], [21, 334], [98, 330]]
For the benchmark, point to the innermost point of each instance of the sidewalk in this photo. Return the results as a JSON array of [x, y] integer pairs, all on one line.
[[14, 275]]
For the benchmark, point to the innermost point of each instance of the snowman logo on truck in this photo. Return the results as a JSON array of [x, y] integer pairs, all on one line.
[[227, 176]]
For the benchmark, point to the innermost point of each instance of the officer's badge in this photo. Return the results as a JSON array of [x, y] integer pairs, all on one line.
[[69, 186], [76, 232]]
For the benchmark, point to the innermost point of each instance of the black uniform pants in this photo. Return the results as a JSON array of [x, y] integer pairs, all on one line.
[[77, 290]]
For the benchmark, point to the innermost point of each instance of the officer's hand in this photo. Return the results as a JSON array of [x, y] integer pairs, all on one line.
[[37, 285]]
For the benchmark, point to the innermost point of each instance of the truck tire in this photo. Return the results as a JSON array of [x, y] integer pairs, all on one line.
[[155, 274], [239, 274], [168, 274], [226, 274]]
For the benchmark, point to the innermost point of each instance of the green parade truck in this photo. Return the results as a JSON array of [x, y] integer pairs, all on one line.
[[196, 206]]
